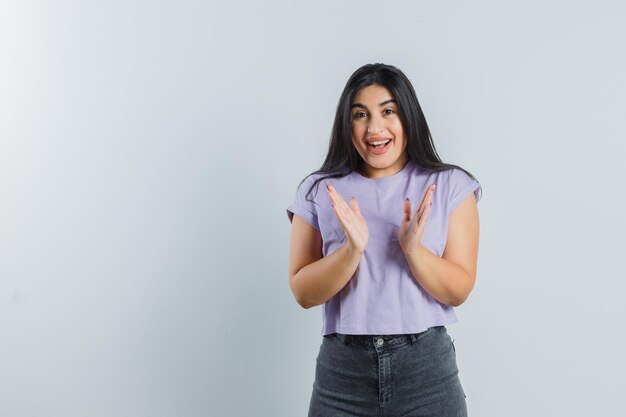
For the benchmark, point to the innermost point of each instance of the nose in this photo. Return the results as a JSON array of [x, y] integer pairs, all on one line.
[[375, 125]]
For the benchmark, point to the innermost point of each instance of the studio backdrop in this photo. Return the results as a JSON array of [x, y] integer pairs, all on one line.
[[149, 149]]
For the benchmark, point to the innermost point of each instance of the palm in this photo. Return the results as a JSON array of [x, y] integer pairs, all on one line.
[[412, 228], [351, 219]]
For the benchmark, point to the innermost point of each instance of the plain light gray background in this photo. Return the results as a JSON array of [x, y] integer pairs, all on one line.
[[149, 149]]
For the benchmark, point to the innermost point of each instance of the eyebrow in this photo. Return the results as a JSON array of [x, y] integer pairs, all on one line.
[[391, 100]]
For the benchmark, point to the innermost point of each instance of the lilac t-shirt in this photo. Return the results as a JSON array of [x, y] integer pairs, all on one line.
[[383, 297]]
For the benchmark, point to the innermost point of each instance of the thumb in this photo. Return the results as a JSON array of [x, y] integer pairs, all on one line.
[[355, 207], [406, 216]]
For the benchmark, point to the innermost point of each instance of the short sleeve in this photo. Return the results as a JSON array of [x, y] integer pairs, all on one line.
[[461, 185], [303, 207]]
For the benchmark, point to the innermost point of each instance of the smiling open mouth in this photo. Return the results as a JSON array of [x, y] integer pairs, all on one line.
[[380, 148], [380, 144]]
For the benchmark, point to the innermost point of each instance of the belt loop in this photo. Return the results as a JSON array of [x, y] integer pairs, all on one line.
[[341, 337], [413, 338]]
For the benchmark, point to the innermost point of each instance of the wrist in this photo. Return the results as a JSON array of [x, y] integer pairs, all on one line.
[[414, 251], [351, 250]]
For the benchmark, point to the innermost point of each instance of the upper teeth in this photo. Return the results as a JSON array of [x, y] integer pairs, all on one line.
[[380, 142]]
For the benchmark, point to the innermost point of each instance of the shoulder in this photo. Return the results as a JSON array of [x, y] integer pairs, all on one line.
[[444, 178], [454, 185], [462, 182], [459, 186], [317, 181], [309, 186]]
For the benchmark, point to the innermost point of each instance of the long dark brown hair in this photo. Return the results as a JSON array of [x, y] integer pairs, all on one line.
[[342, 157]]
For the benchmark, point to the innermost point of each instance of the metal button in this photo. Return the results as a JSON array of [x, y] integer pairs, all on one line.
[[380, 341]]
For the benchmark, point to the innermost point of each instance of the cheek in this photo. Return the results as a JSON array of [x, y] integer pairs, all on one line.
[[357, 145], [357, 131], [397, 127]]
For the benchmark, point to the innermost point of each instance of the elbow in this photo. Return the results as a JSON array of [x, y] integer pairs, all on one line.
[[306, 301], [456, 302], [298, 294], [460, 297], [303, 302]]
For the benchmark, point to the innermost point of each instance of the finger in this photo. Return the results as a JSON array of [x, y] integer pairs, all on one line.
[[424, 196], [355, 206], [332, 194], [418, 214], [428, 196], [420, 211], [342, 211], [407, 210], [338, 198], [341, 216], [429, 192], [333, 199], [429, 200], [424, 214]]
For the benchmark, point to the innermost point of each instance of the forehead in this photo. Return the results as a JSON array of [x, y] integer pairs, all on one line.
[[373, 93]]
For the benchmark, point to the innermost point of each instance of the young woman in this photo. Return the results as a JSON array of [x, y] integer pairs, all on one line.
[[389, 248]]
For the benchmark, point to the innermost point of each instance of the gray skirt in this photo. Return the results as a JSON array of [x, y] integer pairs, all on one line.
[[388, 375]]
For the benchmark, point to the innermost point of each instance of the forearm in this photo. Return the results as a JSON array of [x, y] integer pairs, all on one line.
[[445, 281], [318, 282]]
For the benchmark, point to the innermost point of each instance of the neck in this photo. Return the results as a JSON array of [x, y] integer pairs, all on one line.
[[375, 172]]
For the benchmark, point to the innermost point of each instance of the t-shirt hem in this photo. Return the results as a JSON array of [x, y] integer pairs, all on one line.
[[473, 186], [295, 208], [386, 330]]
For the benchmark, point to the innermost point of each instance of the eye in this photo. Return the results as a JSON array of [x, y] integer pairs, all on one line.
[[389, 111], [357, 115]]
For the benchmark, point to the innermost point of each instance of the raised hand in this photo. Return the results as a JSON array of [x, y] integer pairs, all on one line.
[[412, 229], [351, 219]]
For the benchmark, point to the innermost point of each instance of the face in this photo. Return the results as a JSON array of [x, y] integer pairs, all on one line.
[[375, 118]]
